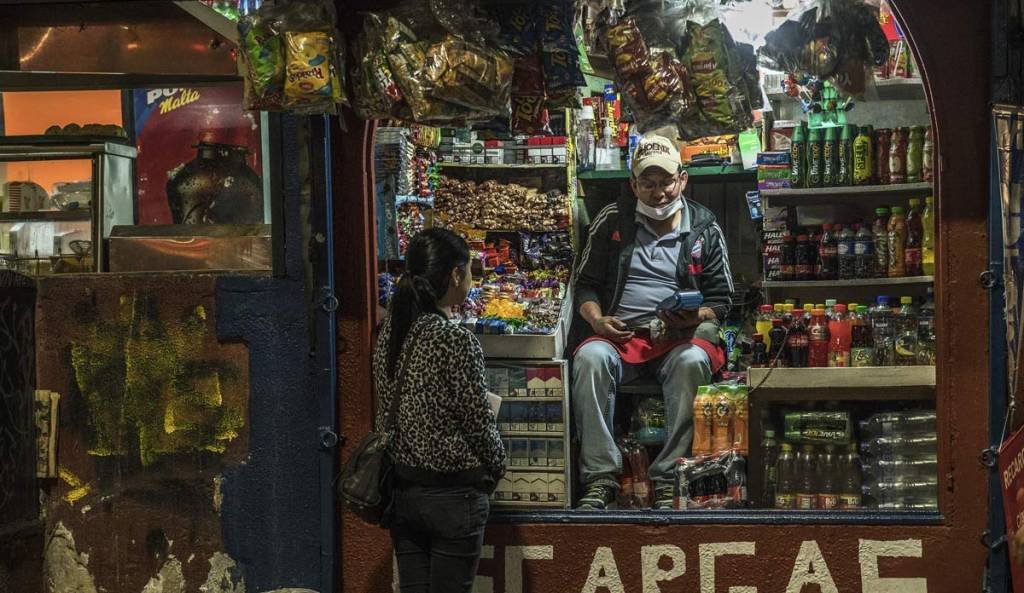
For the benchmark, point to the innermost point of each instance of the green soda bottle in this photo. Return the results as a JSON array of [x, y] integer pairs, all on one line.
[[798, 159], [815, 160]]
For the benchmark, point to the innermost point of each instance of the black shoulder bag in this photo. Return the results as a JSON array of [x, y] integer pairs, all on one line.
[[366, 480]]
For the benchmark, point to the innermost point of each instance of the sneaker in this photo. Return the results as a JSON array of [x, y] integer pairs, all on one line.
[[664, 498], [597, 497]]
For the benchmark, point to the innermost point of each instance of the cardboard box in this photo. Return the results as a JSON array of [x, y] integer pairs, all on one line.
[[517, 382], [539, 488], [556, 453], [554, 417], [521, 486], [536, 382], [497, 380], [538, 453], [520, 416], [537, 417], [505, 417], [556, 488], [519, 453]]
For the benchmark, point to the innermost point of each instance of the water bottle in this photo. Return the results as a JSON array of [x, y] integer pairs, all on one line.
[[882, 333], [889, 448], [585, 143], [906, 333], [926, 331], [898, 424]]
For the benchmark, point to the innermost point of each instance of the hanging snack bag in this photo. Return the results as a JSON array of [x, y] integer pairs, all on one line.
[[309, 79], [560, 56], [529, 114], [262, 61], [376, 94]]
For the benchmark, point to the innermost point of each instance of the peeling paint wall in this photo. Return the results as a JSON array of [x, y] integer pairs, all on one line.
[[154, 409]]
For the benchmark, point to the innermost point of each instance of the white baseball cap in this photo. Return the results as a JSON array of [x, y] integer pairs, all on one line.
[[656, 151]]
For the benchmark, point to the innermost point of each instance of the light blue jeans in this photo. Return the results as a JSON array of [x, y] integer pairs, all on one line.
[[597, 372]]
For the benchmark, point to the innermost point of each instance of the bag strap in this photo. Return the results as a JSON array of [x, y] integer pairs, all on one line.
[[391, 423]]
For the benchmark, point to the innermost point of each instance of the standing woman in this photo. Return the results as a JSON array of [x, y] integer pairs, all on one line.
[[447, 452]]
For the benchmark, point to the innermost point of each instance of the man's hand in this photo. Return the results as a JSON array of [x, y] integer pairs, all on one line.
[[685, 319], [612, 329]]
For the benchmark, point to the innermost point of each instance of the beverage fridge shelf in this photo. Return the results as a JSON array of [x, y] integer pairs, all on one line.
[[828, 195], [841, 283], [829, 379]]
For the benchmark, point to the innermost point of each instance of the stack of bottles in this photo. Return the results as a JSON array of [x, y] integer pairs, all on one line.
[[851, 155], [896, 244], [714, 476], [900, 466], [840, 335], [816, 467]]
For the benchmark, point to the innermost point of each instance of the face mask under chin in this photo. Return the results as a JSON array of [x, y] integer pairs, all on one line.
[[660, 213]]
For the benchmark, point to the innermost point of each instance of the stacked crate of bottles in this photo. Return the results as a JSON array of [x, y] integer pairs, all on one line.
[[715, 475]]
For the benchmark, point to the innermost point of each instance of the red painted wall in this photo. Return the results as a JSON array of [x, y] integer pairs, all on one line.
[[952, 42]]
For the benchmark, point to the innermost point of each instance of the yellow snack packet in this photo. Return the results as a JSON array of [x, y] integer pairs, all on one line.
[[309, 76]]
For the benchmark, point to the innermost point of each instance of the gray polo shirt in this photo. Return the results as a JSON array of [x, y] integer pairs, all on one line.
[[652, 271]]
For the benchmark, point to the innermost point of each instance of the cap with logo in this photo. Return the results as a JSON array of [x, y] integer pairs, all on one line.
[[656, 151]]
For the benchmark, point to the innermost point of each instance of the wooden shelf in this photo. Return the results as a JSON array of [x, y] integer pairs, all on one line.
[[830, 195], [847, 283], [80, 215], [502, 166], [827, 379], [702, 172]]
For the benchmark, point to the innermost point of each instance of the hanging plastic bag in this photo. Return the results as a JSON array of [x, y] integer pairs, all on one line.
[[828, 39]]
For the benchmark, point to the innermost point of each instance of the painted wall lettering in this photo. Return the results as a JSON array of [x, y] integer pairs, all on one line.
[[604, 573], [869, 552], [810, 569], [514, 557], [650, 563], [708, 553]]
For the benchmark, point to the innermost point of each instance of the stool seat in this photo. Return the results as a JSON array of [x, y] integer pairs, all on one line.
[[641, 386]]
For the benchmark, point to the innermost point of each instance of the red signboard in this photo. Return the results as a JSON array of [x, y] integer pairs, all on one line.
[[1011, 478]]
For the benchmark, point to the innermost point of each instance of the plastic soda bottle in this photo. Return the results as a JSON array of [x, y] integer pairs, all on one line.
[[777, 353], [864, 252], [839, 338], [926, 331], [912, 252], [862, 351], [928, 237], [906, 333], [763, 325], [769, 469], [828, 253], [850, 487], [881, 232], [883, 334], [897, 243], [806, 489], [740, 420], [759, 355], [818, 340], [847, 253], [828, 484], [703, 416], [797, 342], [721, 435], [785, 489]]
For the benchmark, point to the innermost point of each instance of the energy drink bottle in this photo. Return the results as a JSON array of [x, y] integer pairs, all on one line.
[[829, 158], [863, 157], [798, 158], [844, 156], [815, 159]]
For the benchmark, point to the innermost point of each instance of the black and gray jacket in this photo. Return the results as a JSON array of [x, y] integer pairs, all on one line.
[[604, 265]]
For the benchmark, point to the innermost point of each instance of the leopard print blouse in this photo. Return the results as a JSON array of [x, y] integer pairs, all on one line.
[[445, 421]]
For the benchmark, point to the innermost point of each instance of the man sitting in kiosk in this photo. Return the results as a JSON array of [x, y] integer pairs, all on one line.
[[642, 251]]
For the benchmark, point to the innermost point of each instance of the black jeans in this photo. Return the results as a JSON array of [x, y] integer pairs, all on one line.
[[437, 533]]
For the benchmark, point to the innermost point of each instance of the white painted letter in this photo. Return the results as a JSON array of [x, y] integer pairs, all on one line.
[[604, 573], [708, 553], [514, 557], [870, 550], [484, 584], [650, 560], [810, 569]]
